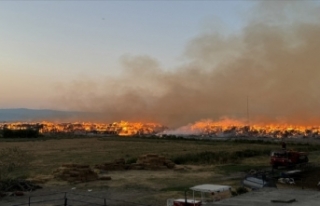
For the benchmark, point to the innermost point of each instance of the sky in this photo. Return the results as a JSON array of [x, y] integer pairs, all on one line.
[[181, 60], [44, 43]]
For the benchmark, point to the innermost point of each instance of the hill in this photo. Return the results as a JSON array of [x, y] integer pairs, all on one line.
[[24, 114]]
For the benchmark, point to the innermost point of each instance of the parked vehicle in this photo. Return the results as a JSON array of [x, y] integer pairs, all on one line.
[[258, 181], [288, 158]]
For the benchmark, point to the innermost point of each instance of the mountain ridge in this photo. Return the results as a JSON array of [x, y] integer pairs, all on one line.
[[25, 114]]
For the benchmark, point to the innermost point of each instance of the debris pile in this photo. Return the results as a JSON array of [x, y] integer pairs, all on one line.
[[17, 187], [258, 179], [152, 162], [118, 164], [286, 181], [40, 179], [75, 173]]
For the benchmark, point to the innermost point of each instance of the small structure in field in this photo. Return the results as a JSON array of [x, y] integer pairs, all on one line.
[[209, 193]]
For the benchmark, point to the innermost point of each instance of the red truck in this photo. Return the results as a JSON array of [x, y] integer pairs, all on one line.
[[288, 158]]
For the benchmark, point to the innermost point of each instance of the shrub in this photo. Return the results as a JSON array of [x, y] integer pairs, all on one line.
[[20, 133], [234, 193], [242, 190], [131, 160]]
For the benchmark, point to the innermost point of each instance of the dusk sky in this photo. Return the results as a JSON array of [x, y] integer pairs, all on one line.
[[45, 43], [154, 56]]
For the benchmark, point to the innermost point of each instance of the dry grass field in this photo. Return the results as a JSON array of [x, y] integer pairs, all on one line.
[[145, 186], [51, 153]]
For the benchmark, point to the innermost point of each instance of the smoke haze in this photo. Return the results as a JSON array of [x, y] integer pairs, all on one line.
[[273, 63]]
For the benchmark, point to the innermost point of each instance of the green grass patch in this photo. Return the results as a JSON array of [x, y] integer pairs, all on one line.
[[131, 160], [220, 157], [176, 188], [233, 168]]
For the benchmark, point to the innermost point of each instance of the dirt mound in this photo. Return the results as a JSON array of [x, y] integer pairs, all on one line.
[[75, 173], [12, 185], [40, 179], [144, 162], [152, 162], [118, 164]]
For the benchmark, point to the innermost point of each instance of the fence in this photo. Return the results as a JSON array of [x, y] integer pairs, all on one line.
[[74, 199]]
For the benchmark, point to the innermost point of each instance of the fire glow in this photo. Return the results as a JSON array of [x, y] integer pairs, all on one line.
[[121, 128], [223, 128], [236, 128]]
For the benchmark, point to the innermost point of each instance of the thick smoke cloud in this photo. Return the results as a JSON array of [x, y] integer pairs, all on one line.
[[273, 62]]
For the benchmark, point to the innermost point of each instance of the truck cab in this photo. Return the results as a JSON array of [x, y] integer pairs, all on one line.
[[284, 158]]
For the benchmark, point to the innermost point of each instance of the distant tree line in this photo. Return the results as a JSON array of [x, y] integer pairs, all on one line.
[[20, 133]]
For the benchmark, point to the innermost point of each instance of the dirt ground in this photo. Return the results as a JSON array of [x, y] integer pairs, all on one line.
[[143, 187], [51, 153], [135, 187], [127, 187]]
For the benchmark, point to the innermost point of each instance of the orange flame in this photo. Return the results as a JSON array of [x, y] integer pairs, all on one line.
[[223, 127], [121, 128], [237, 128]]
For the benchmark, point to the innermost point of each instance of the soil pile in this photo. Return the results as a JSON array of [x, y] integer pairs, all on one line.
[[75, 173], [118, 164], [144, 162], [152, 162]]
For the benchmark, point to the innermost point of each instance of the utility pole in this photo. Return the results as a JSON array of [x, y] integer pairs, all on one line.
[[248, 120]]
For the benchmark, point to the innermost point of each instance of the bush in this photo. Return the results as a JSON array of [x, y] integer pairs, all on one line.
[[242, 190], [20, 133], [131, 160]]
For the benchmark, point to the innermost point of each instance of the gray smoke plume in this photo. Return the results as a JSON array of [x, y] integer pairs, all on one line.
[[274, 63]]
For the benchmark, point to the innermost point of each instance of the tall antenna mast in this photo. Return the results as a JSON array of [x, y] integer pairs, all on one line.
[[248, 121]]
